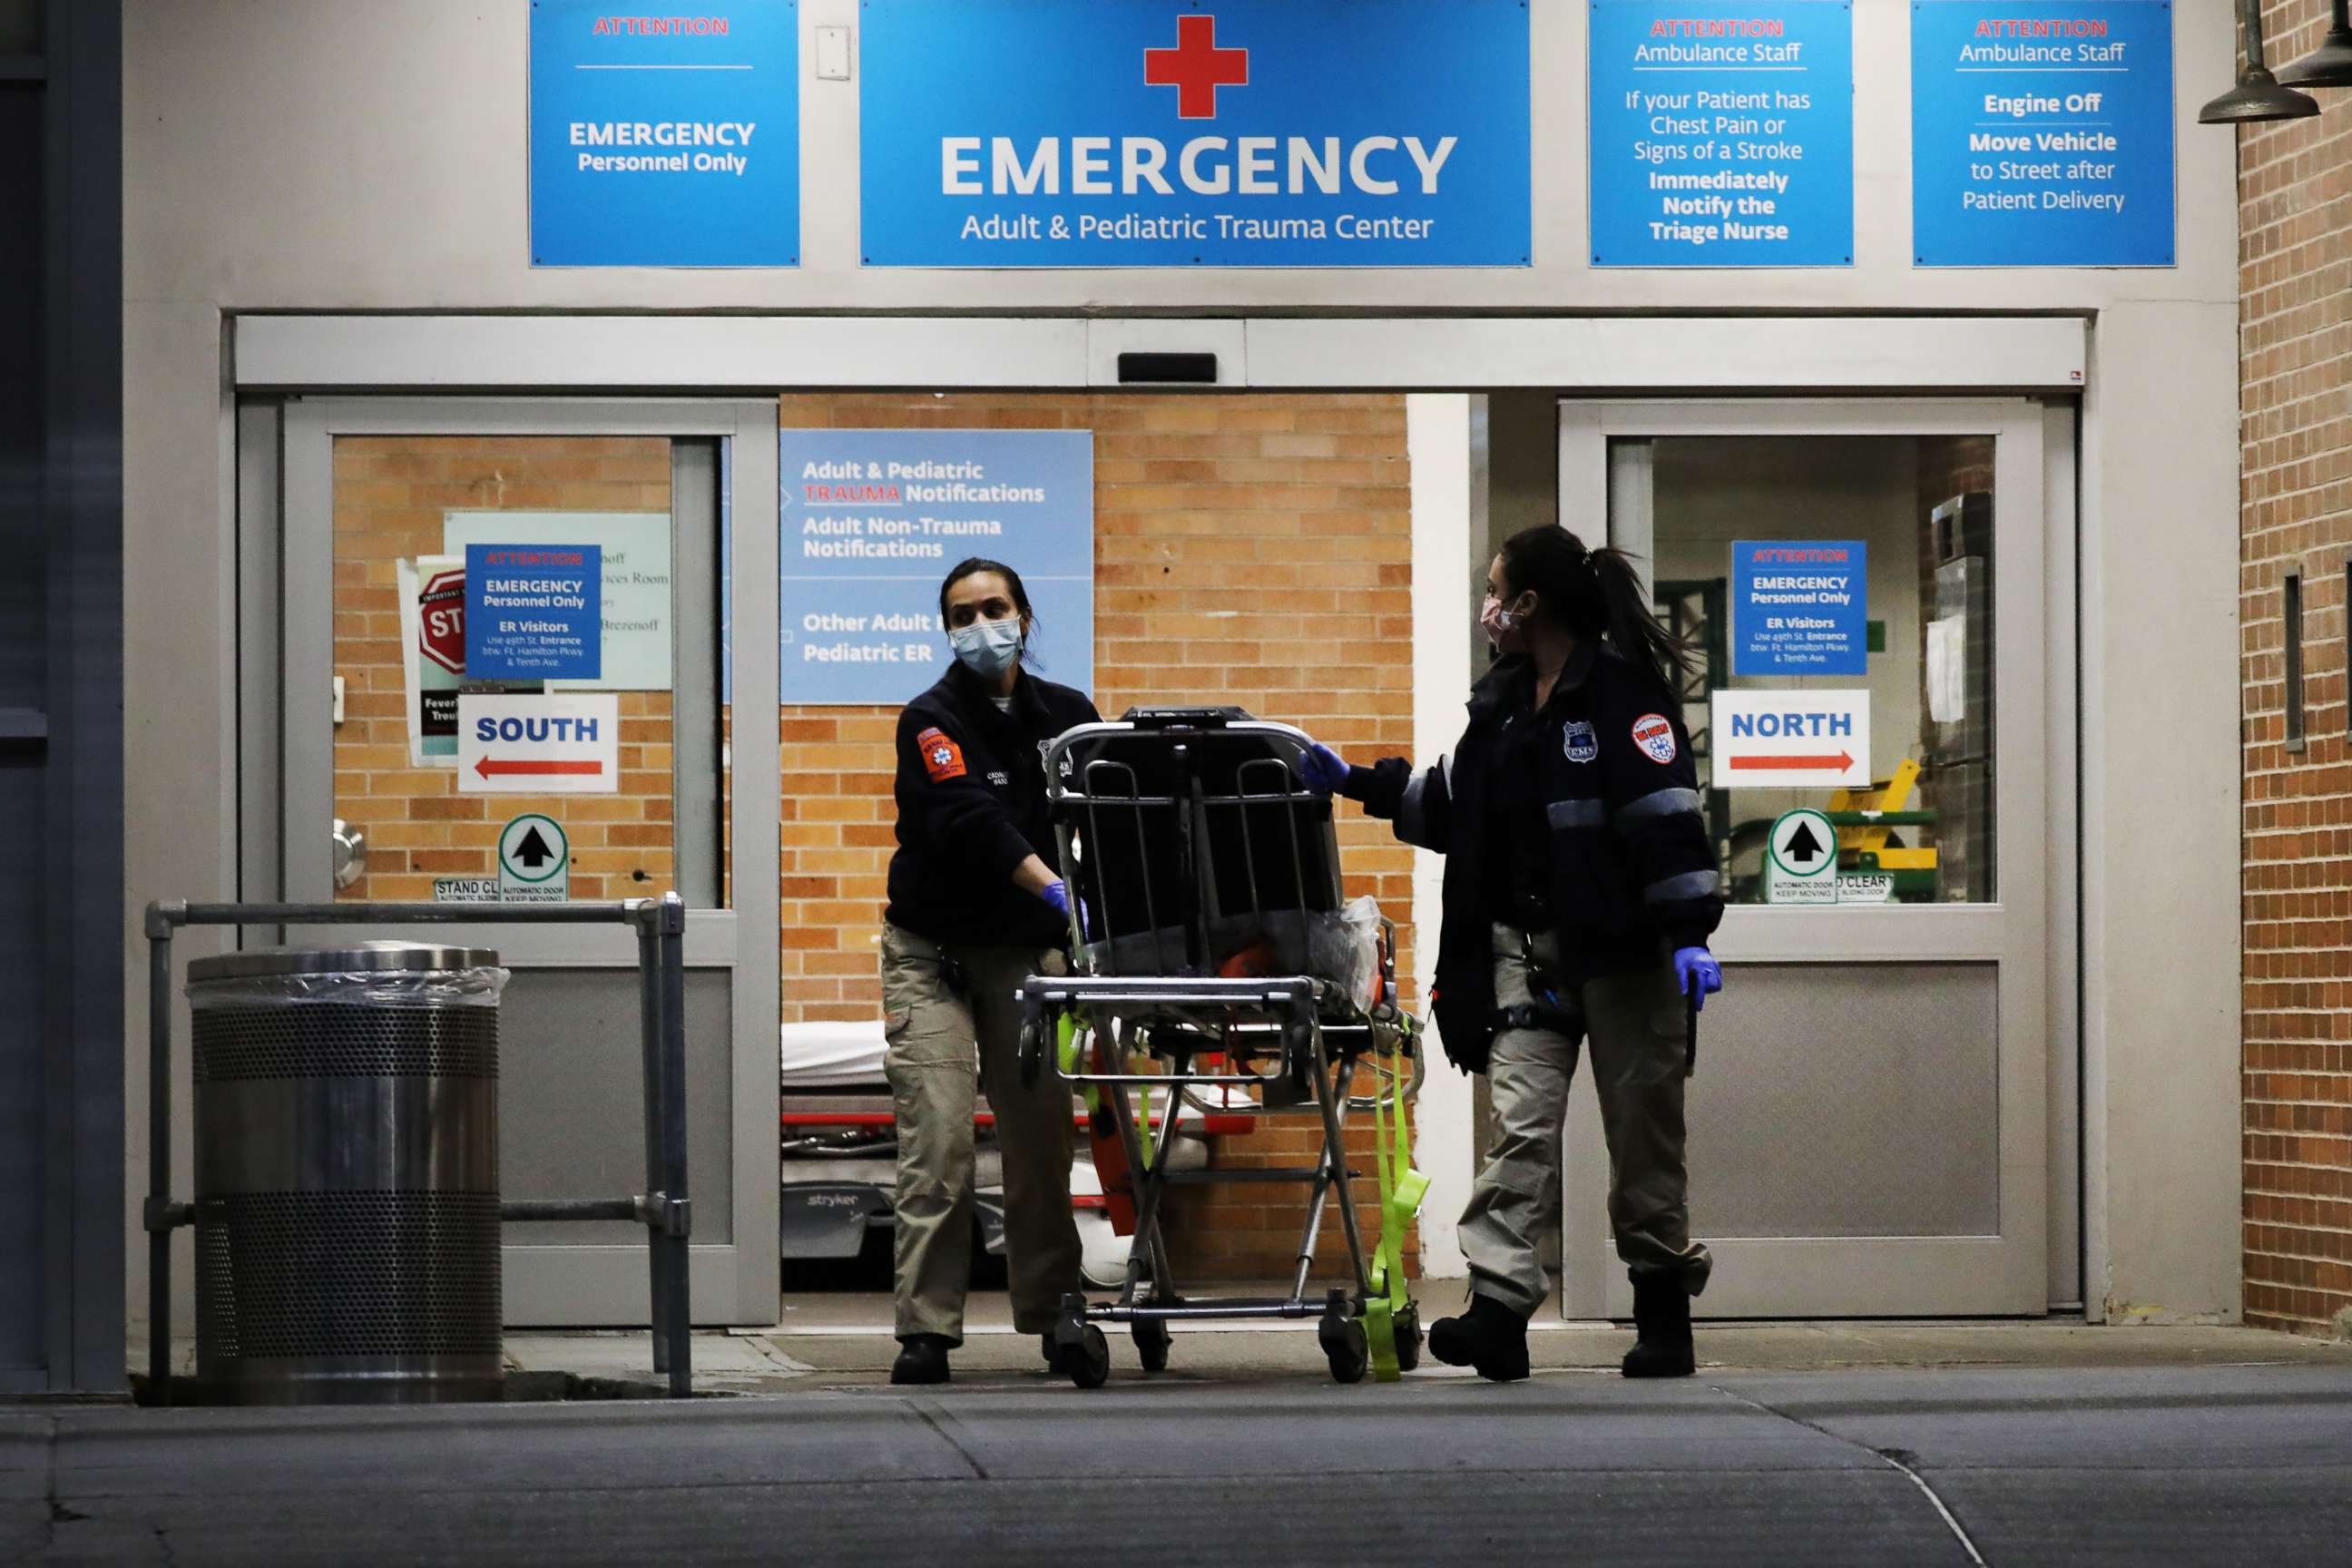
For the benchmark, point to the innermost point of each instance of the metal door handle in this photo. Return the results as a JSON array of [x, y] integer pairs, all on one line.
[[351, 853]]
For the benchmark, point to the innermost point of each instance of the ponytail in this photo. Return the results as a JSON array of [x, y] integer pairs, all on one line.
[[1594, 594]]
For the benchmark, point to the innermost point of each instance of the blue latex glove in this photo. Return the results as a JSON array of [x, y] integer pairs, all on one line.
[[1322, 769], [1697, 973], [1057, 894]]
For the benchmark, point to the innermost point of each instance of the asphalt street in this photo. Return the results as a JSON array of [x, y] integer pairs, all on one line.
[[2247, 1463]]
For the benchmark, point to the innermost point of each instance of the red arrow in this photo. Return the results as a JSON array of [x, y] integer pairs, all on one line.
[[537, 768], [1838, 764]]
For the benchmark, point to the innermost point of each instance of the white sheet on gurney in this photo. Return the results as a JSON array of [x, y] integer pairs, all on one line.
[[832, 1055], [849, 1056]]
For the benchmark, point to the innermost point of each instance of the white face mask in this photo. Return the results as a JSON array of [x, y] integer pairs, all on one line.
[[988, 649]]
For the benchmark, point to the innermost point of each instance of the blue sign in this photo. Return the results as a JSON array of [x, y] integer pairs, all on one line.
[[665, 141], [1722, 135], [2042, 133], [871, 521], [1124, 133], [1799, 606], [534, 612]]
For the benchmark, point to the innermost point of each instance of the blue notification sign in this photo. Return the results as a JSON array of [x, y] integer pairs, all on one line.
[[2042, 133], [1799, 607], [534, 612], [1722, 135], [869, 521]]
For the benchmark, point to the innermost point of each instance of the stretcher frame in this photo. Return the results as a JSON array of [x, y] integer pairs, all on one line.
[[1294, 1042]]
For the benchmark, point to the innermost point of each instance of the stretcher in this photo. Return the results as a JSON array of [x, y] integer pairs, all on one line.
[[838, 1155], [1215, 964]]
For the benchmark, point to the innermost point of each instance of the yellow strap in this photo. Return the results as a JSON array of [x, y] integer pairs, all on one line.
[[1401, 1191]]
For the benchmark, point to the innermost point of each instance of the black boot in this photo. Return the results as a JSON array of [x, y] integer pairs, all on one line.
[[1489, 1338], [922, 1358], [1661, 1319]]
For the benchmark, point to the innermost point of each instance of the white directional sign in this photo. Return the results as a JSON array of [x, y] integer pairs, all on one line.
[[558, 743], [1800, 859], [1790, 740]]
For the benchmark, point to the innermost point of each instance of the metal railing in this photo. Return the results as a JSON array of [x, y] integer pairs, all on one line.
[[663, 1208]]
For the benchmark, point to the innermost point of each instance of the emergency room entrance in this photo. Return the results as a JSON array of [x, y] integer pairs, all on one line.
[[364, 638], [1881, 597]]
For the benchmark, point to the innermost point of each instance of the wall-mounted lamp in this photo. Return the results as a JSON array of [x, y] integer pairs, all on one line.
[[2258, 96], [2330, 64]]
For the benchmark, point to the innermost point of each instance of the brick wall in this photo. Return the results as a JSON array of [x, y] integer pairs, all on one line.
[[2294, 184], [1253, 551], [389, 492]]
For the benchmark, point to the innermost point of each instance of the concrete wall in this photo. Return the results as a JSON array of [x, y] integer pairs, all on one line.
[[349, 155]]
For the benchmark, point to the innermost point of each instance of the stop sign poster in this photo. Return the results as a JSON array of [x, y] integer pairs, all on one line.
[[432, 653], [1155, 133]]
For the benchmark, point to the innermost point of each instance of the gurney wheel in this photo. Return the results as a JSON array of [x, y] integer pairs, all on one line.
[[1090, 1366], [1151, 1343], [1032, 1052], [1345, 1348], [1408, 1339]]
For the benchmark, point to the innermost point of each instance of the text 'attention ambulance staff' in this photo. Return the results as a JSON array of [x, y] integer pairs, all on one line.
[[1580, 892], [976, 908]]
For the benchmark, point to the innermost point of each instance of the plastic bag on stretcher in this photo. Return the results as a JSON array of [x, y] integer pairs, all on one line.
[[1342, 946]]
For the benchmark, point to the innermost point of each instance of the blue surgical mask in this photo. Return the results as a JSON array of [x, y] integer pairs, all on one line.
[[988, 649]]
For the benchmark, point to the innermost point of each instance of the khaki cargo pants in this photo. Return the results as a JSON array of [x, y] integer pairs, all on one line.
[[941, 1045], [1635, 1023]]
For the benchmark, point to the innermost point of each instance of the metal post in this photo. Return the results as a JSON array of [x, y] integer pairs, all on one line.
[[649, 1018], [158, 1151], [678, 1308]]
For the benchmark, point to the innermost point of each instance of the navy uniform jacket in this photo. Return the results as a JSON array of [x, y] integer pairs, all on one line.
[[1631, 870], [971, 806]]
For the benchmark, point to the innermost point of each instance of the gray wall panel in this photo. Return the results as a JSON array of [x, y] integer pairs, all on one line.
[[1854, 1099], [569, 1123]]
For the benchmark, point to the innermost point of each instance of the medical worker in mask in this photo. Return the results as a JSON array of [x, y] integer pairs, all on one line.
[[976, 906]]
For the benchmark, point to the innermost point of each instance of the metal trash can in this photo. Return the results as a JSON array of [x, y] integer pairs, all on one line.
[[347, 1174]]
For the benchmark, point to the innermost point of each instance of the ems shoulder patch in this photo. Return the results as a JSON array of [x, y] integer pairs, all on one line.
[[1578, 742], [942, 758], [1655, 737]]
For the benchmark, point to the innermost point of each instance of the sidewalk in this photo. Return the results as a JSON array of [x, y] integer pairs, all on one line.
[[844, 1342], [1960, 1444]]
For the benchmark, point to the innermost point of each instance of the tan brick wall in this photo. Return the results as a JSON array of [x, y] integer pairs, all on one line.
[[2295, 346], [389, 492], [1252, 550]]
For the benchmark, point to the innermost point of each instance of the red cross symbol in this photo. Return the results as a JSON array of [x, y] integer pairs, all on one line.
[[1196, 68]]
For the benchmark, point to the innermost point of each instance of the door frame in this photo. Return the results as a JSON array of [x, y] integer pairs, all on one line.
[[2034, 1260], [285, 484], [478, 354]]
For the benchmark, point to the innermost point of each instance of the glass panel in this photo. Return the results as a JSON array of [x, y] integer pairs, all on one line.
[[1859, 568], [582, 529]]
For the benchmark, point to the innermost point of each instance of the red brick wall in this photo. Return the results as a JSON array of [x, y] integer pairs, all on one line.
[[2294, 183], [1254, 550]]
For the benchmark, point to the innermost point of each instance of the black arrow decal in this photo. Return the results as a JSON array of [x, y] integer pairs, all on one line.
[[532, 852], [1804, 848]]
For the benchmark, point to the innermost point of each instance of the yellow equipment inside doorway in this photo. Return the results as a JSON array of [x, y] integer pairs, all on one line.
[[1864, 817]]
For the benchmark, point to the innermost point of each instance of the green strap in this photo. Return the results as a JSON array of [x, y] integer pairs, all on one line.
[[1066, 1047], [1401, 1191]]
